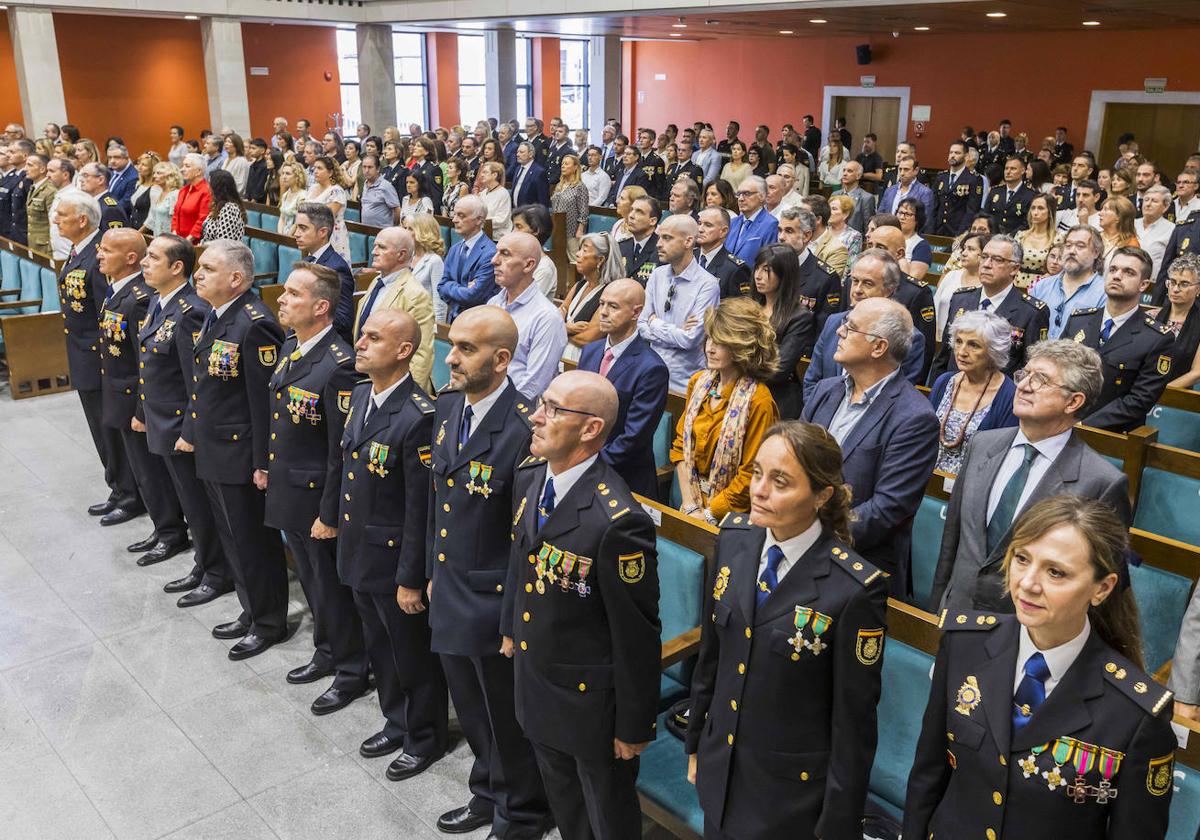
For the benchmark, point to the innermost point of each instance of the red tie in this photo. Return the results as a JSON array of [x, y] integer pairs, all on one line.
[[606, 362]]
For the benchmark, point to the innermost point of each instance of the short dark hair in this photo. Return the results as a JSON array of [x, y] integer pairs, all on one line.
[[652, 203], [1088, 184], [870, 135], [327, 285], [537, 218], [818, 205], [71, 132], [179, 250], [179, 128], [319, 214], [259, 142], [737, 125], [1139, 255], [1006, 122], [918, 208]]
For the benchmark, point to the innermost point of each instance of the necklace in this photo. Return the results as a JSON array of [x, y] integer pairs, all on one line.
[[962, 432]]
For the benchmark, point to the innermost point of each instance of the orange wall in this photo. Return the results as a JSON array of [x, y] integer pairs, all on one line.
[[10, 94], [1072, 64], [298, 58], [441, 54], [131, 77], [547, 80]]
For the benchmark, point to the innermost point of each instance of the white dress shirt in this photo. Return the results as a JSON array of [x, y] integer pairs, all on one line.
[[378, 399], [1153, 239], [564, 481], [1058, 659], [1048, 450], [313, 342], [793, 549], [480, 408]]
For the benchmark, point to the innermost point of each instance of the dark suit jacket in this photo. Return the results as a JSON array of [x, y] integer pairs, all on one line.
[[165, 346], [119, 322], [81, 289], [888, 458], [111, 214], [1185, 239], [641, 379], [795, 341], [534, 189], [833, 743], [471, 516], [967, 575], [121, 186], [733, 273], [471, 280], [343, 319]]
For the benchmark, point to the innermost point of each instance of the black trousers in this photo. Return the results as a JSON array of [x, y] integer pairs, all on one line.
[[504, 780], [592, 799], [118, 474], [337, 629], [156, 488], [210, 557], [255, 555], [412, 687]]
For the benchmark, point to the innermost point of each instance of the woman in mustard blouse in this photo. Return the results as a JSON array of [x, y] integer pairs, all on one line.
[[729, 409]]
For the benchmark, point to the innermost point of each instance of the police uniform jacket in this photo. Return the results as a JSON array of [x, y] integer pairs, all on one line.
[[471, 522], [655, 170], [689, 169], [111, 214], [1095, 759], [7, 182], [430, 176], [541, 147], [232, 362], [820, 289], [81, 289], [120, 319], [553, 163], [1185, 239], [581, 605], [769, 766], [1136, 362], [917, 298], [956, 201], [396, 175], [731, 271], [165, 345], [1010, 213], [1028, 316], [20, 216], [385, 490], [310, 397], [638, 263]]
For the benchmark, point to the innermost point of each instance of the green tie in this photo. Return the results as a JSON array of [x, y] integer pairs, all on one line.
[[1007, 508]]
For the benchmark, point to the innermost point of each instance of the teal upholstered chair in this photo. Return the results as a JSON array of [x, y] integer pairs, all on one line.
[[1167, 505], [680, 600], [901, 708], [1176, 427], [926, 544], [1162, 599]]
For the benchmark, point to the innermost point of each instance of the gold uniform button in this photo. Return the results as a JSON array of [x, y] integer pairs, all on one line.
[[449, 482], [441, 558], [525, 616], [443, 532], [312, 485], [990, 834], [276, 417], [177, 411], [272, 436], [741, 667], [529, 587], [278, 396], [271, 457], [391, 543], [499, 587], [353, 455], [141, 381], [193, 415], [749, 632], [346, 516], [350, 475], [997, 798], [729, 738], [733, 705], [583, 686], [524, 646], [804, 776], [446, 508], [1003, 761], [235, 437], [347, 497]]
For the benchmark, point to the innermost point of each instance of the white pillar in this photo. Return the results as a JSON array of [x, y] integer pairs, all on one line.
[[225, 72], [376, 76], [604, 93], [500, 62], [39, 78]]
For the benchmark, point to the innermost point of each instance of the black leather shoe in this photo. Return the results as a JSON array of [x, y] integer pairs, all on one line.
[[230, 630], [143, 545], [119, 515], [462, 820], [379, 745], [334, 699], [202, 594], [308, 673], [250, 645], [102, 508], [189, 581], [405, 766], [162, 551]]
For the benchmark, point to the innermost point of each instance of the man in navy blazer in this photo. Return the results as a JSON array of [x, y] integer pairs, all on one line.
[[641, 379], [887, 430], [312, 229], [469, 278], [754, 226], [907, 186], [529, 184], [508, 144], [122, 177]]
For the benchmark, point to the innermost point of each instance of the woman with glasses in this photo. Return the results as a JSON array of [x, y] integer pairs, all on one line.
[[728, 410], [1043, 724], [1182, 315], [917, 252]]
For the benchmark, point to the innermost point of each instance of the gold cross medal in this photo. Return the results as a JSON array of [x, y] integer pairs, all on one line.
[[1028, 764], [377, 456], [820, 623], [803, 616], [485, 475], [165, 331], [721, 583], [472, 487], [1062, 751]]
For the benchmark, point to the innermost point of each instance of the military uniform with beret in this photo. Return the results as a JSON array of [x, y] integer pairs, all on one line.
[[1028, 317]]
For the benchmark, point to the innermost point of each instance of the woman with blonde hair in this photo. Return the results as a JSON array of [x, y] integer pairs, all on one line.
[[841, 209], [142, 196], [293, 182], [163, 194], [427, 265], [329, 188], [833, 159], [728, 410], [570, 197], [1117, 229], [85, 153], [597, 263], [625, 200], [1037, 238]]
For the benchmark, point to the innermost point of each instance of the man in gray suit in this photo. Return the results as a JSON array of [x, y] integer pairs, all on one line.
[[1185, 667], [864, 202], [1007, 470]]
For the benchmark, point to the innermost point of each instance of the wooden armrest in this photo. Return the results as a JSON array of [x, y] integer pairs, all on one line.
[[9, 292], [20, 304], [681, 647], [266, 274]]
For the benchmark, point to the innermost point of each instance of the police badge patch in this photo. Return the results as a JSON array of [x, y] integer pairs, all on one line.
[[631, 567], [1159, 775], [869, 646], [268, 355], [343, 401], [1164, 365]]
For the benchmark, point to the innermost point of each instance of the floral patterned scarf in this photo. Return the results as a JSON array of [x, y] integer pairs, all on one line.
[[727, 452]]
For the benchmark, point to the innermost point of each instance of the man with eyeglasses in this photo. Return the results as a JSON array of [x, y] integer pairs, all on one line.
[[93, 180], [1028, 316], [677, 295], [754, 226], [580, 615], [1135, 349], [1079, 285], [1185, 239], [1186, 203], [1005, 471]]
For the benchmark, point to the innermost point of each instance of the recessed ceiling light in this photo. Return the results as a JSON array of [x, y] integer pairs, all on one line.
[[921, 28], [785, 32], [191, 17], [679, 26], [1091, 23], [997, 14], [818, 20], [676, 34]]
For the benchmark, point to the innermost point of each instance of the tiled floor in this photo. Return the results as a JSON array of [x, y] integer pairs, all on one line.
[[121, 717]]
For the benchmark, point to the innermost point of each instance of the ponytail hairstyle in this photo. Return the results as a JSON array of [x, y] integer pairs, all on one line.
[[820, 457], [1097, 525]]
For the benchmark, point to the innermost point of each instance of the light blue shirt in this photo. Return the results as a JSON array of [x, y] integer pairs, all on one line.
[[541, 339], [849, 413], [378, 201], [1090, 294], [696, 291], [709, 160]]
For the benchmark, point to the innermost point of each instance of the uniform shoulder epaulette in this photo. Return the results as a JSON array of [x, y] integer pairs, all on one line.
[[967, 620], [734, 258], [1091, 310], [140, 294], [1136, 684], [1158, 325], [339, 355], [736, 520], [531, 461], [523, 411], [859, 569], [184, 306], [425, 405], [110, 201], [964, 290], [446, 389], [254, 313], [1030, 299], [826, 267]]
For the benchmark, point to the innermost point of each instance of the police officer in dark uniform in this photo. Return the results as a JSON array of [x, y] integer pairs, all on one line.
[[793, 612], [581, 614], [93, 179], [957, 195], [614, 162], [1009, 201], [81, 290], [541, 143], [820, 286], [731, 271], [1028, 316], [1185, 239], [18, 153], [1134, 348], [428, 172], [121, 316], [7, 181], [629, 174], [684, 165], [165, 345], [558, 148], [652, 165], [382, 528], [1043, 724], [234, 355], [310, 392], [481, 434], [639, 253]]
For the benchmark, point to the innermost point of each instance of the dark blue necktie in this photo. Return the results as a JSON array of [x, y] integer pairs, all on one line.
[[769, 578], [1010, 498], [367, 309], [464, 429], [108, 293], [209, 320], [546, 505], [310, 259], [1106, 330], [155, 312], [1031, 692]]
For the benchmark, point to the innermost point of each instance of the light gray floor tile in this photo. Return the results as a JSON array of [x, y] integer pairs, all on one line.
[[16, 573], [19, 732], [39, 800], [238, 822], [35, 623], [113, 604], [439, 789], [347, 727]]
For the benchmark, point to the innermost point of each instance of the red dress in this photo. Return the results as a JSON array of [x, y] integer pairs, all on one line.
[[191, 209]]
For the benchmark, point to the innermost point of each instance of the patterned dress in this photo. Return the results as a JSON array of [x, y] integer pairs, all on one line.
[[950, 460]]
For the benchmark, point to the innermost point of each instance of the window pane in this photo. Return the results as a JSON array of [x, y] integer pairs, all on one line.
[[471, 67], [572, 106], [522, 103], [409, 70], [347, 51], [410, 106], [522, 56], [573, 60], [407, 44], [351, 113], [472, 104]]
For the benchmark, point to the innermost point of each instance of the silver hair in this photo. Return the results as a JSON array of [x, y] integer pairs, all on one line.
[[473, 206], [995, 331], [895, 326], [100, 170], [1078, 367], [236, 256], [81, 202], [796, 213], [756, 183], [605, 246], [1161, 191], [1018, 253], [891, 268], [195, 159], [1185, 263], [689, 184]]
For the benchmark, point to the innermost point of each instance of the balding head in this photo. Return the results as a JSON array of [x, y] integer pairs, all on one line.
[[517, 255], [621, 303], [676, 238], [120, 252], [386, 346], [393, 250], [483, 340], [578, 411], [889, 239]]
